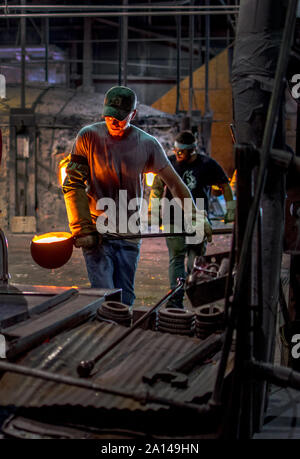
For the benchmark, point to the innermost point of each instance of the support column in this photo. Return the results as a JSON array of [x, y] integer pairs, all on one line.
[[87, 79]]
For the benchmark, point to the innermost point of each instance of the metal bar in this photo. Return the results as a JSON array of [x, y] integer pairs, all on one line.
[[229, 281], [137, 40], [244, 160], [144, 397], [178, 62], [54, 301], [46, 49], [95, 61], [119, 52], [118, 236], [27, 342], [117, 14], [191, 65], [87, 55], [23, 58], [124, 45], [4, 276], [85, 367], [212, 344], [275, 374], [207, 57], [118, 7]]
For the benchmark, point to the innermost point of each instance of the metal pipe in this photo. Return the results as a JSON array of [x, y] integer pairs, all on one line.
[[124, 45], [87, 55], [46, 49], [120, 52], [117, 7], [191, 65], [178, 62], [207, 57], [144, 397], [86, 366], [4, 275], [117, 14], [275, 374], [23, 58]]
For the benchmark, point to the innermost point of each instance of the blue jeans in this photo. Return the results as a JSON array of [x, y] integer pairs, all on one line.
[[178, 249], [113, 264]]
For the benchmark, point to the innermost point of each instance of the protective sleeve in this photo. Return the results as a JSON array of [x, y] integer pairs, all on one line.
[[76, 200]]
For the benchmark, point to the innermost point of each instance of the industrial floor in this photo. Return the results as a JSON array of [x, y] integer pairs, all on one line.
[[151, 278]]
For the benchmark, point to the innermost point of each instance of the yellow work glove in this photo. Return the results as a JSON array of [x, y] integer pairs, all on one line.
[[230, 214], [87, 241]]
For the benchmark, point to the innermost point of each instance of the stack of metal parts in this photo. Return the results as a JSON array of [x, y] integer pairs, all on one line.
[[176, 321], [114, 312], [209, 319], [203, 271]]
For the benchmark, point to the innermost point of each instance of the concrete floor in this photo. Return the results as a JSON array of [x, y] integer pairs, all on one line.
[[151, 278]]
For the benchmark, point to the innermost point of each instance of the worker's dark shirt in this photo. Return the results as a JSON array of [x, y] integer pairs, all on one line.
[[198, 175]]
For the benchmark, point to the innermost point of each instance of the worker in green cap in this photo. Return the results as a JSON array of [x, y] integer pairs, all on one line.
[[107, 164]]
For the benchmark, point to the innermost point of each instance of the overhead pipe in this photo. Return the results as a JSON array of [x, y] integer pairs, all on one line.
[[117, 7], [116, 14], [23, 59]]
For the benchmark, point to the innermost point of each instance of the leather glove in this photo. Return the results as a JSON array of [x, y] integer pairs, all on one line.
[[201, 225], [87, 241], [230, 214]]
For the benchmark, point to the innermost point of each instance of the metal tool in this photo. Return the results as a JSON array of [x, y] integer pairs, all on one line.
[[85, 367], [142, 397], [53, 250], [176, 373]]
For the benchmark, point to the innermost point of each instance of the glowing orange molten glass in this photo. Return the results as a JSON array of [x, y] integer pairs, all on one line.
[[150, 178], [48, 240], [52, 250], [51, 237]]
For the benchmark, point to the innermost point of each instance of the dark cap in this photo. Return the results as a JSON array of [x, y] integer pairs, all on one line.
[[119, 101]]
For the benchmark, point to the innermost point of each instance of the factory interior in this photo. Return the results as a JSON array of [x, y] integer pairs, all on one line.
[[142, 335]]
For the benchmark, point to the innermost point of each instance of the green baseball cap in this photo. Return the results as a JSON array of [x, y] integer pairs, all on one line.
[[119, 101]]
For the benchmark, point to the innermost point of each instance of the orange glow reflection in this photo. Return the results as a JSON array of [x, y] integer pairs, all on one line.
[[63, 174], [62, 169], [51, 237], [150, 178]]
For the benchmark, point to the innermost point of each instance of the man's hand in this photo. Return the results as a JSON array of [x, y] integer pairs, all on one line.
[[230, 214], [201, 225], [87, 241], [208, 230]]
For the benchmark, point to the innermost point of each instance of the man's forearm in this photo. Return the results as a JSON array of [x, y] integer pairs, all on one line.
[[227, 192], [181, 191], [79, 216]]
